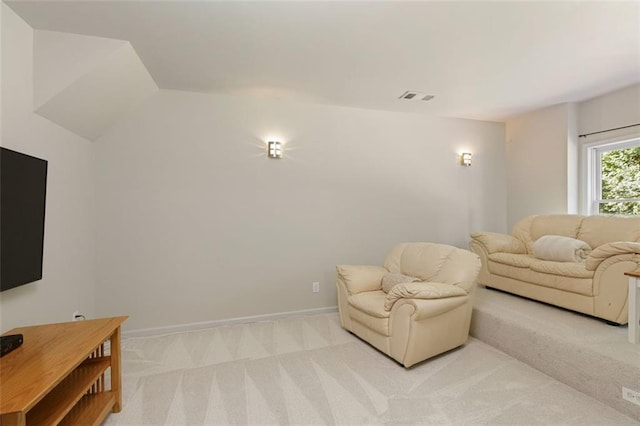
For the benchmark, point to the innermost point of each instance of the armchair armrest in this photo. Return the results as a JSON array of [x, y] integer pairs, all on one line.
[[422, 290], [601, 253], [494, 242], [429, 308], [359, 278]]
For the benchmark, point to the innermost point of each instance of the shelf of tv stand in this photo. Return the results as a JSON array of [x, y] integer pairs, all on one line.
[[58, 375], [90, 410], [59, 402]]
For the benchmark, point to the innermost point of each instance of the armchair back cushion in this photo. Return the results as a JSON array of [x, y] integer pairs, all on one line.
[[433, 262]]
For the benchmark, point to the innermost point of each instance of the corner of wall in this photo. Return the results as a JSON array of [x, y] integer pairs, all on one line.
[[68, 269], [573, 160]]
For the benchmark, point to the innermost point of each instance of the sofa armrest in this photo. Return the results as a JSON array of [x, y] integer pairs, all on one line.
[[601, 253], [359, 278], [422, 290], [494, 242]]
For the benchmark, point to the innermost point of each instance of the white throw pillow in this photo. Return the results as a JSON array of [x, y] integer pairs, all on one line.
[[392, 279], [560, 249]]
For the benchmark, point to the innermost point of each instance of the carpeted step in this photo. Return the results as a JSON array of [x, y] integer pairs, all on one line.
[[580, 351]]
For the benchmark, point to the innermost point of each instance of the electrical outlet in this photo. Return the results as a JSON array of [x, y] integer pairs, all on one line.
[[631, 395], [316, 287], [77, 316]]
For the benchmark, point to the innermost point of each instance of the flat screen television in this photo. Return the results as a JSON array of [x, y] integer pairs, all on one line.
[[23, 188]]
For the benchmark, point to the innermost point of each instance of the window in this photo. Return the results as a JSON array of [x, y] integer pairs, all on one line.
[[614, 177]]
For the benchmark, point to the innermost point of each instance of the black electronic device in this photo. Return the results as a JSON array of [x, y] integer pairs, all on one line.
[[23, 187], [9, 343]]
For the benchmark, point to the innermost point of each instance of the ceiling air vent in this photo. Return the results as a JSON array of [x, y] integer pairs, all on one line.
[[416, 96]]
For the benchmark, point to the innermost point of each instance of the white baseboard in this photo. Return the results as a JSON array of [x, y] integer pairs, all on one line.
[[170, 329]]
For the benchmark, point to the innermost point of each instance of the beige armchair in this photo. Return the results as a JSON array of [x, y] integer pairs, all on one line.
[[427, 309]]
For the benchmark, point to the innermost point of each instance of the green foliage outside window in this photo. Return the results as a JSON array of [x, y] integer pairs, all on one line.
[[621, 180]]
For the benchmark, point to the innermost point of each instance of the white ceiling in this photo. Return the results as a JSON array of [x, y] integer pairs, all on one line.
[[481, 60]]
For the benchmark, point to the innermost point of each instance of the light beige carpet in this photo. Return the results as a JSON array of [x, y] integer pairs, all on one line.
[[580, 351], [307, 370]]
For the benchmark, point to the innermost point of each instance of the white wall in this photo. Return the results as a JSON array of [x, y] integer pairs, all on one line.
[[602, 115], [68, 275], [545, 171], [540, 178], [194, 223], [615, 109], [573, 160]]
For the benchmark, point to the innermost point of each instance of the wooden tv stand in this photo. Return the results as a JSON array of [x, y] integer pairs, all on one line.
[[57, 376]]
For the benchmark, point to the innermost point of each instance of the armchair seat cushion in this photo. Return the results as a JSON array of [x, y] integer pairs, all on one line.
[[370, 302], [368, 309]]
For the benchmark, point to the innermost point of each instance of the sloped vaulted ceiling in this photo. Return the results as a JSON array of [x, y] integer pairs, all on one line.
[[86, 83], [487, 60]]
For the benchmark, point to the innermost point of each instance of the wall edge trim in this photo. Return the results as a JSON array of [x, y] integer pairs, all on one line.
[[195, 326]]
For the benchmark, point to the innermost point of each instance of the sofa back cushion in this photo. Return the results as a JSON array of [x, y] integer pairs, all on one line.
[[434, 262], [599, 230], [529, 229], [566, 225], [594, 230]]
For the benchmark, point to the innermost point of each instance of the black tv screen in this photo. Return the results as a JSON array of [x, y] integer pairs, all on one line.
[[23, 187]]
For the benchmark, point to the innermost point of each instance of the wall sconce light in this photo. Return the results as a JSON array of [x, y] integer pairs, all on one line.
[[274, 150], [465, 159]]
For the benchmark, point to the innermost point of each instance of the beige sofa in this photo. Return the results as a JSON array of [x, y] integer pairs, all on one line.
[[414, 320], [592, 282]]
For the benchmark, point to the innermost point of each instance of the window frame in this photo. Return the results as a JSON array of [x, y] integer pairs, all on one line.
[[592, 169]]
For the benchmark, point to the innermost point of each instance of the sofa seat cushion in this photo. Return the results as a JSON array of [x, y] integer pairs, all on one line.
[[368, 309], [512, 259], [582, 286], [565, 269]]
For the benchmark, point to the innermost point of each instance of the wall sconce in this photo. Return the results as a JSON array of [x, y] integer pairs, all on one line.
[[274, 150], [465, 159]]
